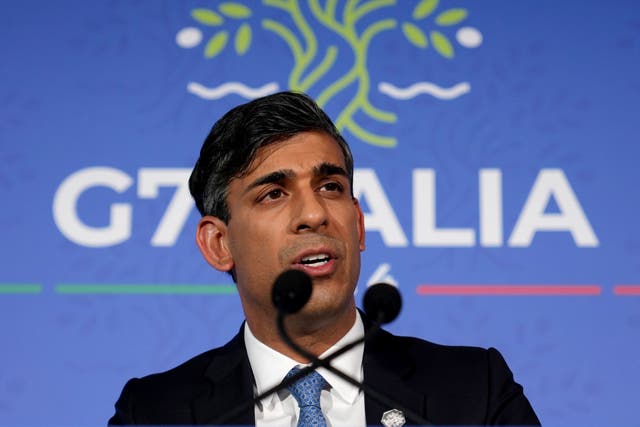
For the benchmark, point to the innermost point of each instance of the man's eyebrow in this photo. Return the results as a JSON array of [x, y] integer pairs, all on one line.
[[327, 169], [321, 170], [276, 176]]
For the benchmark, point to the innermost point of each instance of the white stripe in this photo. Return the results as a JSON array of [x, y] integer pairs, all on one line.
[[424, 87], [231, 88]]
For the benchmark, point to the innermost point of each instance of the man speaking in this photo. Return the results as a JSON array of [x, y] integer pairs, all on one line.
[[274, 185]]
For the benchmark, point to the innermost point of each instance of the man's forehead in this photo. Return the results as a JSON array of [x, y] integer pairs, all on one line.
[[304, 151]]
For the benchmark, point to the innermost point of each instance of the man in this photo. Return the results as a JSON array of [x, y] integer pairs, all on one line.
[[274, 186]]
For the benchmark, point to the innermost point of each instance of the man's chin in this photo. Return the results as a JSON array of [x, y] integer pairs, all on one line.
[[319, 313]]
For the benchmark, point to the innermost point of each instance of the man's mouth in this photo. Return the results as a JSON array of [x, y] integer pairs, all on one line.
[[318, 257], [315, 260]]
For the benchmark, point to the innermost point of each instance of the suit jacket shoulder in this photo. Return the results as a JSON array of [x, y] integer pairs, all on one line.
[[444, 384], [447, 385], [211, 388]]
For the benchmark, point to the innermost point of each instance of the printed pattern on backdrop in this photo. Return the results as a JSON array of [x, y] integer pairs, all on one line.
[[495, 160]]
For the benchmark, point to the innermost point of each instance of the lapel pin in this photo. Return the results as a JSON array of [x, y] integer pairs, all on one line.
[[393, 418]]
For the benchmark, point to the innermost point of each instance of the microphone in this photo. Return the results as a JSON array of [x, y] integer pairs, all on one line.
[[291, 291], [382, 303]]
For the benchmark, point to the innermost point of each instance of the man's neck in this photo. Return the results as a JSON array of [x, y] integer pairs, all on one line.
[[314, 335]]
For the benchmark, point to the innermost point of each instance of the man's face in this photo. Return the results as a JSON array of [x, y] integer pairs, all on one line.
[[293, 209]]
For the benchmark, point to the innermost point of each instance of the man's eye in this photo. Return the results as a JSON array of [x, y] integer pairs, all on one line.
[[332, 186], [273, 194]]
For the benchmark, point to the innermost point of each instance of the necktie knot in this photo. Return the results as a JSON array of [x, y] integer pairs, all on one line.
[[306, 391]]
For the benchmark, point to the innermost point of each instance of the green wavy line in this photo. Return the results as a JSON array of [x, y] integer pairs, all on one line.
[[349, 36], [331, 7], [331, 23], [302, 57], [290, 39], [312, 46], [381, 141], [348, 10], [327, 62], [370, 7], [376, 113], [360, 100], [337, 86], [286, 34], [320, 14], [281, 4], [373, 29], [357, 73]]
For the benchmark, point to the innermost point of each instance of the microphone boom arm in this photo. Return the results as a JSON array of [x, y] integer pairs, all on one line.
[[326, 363]]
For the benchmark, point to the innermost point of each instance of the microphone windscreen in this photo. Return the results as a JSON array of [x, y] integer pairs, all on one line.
[[382, 302], [291, 291]]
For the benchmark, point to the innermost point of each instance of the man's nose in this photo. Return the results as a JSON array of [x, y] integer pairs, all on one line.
[[309, 211]]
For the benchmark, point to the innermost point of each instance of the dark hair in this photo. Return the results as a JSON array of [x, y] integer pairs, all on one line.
[[231, 146]]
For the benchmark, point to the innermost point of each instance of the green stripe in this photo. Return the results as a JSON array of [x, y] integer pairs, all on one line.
[[141, 289], [20, 288]]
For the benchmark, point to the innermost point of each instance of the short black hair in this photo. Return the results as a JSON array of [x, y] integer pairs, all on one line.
[[234, 140]]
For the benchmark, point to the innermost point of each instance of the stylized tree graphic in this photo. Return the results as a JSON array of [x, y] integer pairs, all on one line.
[[445, 19], [343, 19], [218, 41]]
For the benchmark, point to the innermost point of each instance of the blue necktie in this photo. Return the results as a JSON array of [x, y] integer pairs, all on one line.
[[306, 391]]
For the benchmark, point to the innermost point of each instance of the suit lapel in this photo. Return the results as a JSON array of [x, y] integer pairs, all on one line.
[[229, 400], [386, 370]]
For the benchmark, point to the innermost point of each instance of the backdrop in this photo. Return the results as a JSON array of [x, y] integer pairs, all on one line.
[[496, 147]]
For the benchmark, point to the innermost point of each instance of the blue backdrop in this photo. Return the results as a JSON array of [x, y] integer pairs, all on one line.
[[496, 148]]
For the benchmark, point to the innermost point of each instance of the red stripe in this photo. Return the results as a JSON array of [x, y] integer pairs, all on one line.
[[626, 290], [524, 290]]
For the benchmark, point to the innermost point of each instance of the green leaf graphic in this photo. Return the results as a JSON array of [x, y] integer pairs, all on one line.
[[216, 44], [451, 17], [235, 10], [207, 17], [441, 44], [313, 68], [414, 35], [243, 39], [424, 8]]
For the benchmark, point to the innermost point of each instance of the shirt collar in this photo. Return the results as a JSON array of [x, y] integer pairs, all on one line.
[[270, 367], [350, 363]]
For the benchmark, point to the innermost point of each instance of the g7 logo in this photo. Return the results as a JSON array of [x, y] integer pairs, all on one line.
[[549, 184], [65, 205]]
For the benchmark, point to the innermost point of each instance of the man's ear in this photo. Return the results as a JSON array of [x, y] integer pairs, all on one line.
[[211, 237], [360, 223]]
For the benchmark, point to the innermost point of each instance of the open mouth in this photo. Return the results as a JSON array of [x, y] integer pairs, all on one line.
[[319, 261], [315, 260]]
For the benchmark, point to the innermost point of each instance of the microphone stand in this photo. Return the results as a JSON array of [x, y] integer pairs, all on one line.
[[326, 363], [315, 364], [292, 302]]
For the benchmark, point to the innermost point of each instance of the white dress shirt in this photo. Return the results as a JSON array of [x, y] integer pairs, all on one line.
[[342, 404]]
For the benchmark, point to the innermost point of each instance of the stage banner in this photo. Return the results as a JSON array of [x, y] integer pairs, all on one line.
[[496, 149]]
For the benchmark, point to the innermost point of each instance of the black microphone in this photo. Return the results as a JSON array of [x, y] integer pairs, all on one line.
[[291, 291], [382, 303]]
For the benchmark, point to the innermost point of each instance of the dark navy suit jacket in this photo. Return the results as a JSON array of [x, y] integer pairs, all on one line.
[[445, 385]]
